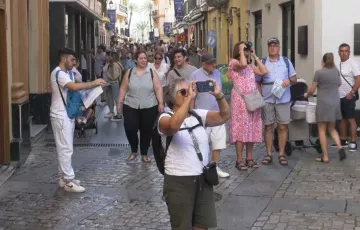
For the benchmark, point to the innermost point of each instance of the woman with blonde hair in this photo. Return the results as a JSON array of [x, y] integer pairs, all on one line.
[[327, 81]]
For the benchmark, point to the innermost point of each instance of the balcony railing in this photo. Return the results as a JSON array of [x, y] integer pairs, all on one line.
[[121, 8]]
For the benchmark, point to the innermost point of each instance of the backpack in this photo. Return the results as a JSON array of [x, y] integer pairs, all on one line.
[[73, 99], [151, 72], [286, 60], [158, 148]]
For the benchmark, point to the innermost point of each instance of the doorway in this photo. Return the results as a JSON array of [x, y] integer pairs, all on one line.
[[4, 96]]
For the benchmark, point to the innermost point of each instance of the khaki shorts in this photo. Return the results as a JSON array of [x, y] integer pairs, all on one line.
[[279, 113], [217, 137], [188, 205]]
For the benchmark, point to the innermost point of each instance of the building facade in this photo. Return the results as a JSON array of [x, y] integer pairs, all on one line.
[[24, 72], [306, 29], [163, 17], [230, 22]]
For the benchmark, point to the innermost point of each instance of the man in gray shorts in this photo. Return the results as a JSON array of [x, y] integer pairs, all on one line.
[[276, 109]]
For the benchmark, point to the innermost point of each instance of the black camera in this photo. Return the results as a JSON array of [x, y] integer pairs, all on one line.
[[248, 44]]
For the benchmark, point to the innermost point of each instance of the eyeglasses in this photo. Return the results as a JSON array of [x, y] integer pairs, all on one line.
[[158, 58], [183, 92]]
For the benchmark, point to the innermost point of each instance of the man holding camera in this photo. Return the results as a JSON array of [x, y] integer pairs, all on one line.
[[204, 100], [276, 109]]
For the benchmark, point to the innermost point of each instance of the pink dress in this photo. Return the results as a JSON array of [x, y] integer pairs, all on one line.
[[244, 126]]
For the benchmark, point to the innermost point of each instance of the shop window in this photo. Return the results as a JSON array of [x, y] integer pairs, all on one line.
[[258, 33], [288, 38]]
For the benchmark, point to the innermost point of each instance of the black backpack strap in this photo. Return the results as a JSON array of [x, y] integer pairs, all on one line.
[[168, 141], [193, 113], [130, 71], [177, 72], [152, 74], [57, 82]]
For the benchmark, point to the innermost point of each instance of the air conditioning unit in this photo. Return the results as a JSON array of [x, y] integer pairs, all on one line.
[[216, 3]]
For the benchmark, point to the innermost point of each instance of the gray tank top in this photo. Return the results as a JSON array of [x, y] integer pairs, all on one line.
[[141, 94]]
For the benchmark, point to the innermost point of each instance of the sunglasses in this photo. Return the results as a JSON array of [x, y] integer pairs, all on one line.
[[183, 92], [158, 58]]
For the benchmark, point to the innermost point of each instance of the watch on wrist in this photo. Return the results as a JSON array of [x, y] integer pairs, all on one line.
[[219, 96]]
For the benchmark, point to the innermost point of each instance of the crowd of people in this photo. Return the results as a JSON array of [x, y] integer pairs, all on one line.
[[156, 84]]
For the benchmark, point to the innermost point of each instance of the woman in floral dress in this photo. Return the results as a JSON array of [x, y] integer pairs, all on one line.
[[245, 126]]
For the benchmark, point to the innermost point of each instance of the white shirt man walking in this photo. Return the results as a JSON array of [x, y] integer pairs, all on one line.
[[62, 125]]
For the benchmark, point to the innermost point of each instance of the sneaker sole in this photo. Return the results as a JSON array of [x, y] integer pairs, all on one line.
[[352, 150], [70, 190]]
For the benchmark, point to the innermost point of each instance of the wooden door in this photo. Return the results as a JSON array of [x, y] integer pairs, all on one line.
[[4, 93]]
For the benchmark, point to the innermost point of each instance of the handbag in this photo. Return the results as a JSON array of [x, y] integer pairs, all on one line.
[[209, 171], [356, 94], [253, 100]]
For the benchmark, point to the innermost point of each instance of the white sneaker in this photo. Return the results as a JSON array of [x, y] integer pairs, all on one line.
[[62, 183], [221, 173], [72, 187], [109, 115]]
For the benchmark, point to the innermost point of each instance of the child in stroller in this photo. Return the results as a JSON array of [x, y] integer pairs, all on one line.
[[86, 120]]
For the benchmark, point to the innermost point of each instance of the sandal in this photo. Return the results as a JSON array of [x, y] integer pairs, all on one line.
[[321, 159], [251, 163], [241, 166], [282, 160], [267, 160], [145, 159], [132, 157]]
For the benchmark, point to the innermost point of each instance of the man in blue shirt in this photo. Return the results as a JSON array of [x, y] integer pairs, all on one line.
[[276, 109], [217, 135]]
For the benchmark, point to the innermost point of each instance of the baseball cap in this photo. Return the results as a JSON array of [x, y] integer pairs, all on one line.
[[273, 41], [208, 58]]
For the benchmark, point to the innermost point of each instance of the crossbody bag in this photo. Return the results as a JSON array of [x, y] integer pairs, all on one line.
[[356, 94], [209, 170], [253, 100]]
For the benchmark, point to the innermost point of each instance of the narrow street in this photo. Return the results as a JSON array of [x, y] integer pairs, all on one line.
[[303, 195]]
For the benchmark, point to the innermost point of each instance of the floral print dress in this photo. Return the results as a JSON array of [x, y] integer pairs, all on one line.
[[245, 126]]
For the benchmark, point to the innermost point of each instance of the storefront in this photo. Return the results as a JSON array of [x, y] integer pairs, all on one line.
[[4, 91]]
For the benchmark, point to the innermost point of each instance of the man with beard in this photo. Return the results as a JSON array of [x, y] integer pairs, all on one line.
[[62, 80]]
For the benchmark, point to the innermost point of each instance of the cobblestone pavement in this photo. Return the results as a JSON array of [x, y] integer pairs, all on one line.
[[120, 195]]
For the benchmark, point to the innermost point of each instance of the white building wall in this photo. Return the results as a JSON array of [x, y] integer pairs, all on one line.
[[330, 23]]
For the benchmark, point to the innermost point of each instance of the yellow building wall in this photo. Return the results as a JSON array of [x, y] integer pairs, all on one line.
[[227, 35]]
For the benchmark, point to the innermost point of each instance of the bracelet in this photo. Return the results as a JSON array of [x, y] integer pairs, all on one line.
[[222, 97]]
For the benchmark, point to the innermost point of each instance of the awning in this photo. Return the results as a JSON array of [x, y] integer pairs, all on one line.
[[197, 20]]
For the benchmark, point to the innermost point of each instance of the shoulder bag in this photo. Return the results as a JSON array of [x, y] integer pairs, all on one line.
[[253, 100]]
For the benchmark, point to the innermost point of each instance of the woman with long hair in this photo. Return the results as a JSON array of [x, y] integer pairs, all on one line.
[[160, 67], [327, 81], [143, 102], [245, 126]]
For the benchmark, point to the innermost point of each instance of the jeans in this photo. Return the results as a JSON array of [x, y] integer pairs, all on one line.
[[112, 95], [63, 129], [139, 119]]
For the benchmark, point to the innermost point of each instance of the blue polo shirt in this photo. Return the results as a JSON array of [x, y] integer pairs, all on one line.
[[206, 100], [277, 70]]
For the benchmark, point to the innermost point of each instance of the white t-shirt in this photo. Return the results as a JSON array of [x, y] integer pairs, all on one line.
[[349, 69], [166, 60], [161, 72], [57, 108], [77, 75], [181, 158]]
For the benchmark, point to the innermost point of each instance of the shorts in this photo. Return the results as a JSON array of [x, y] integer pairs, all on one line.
[[217, 137], [188, 205], [280, 112], [347, 108]]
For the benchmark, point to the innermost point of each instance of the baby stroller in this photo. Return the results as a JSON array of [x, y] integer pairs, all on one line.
[[298, 129], [91, 123]]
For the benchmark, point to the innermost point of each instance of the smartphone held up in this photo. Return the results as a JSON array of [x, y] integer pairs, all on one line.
[[205, 86]]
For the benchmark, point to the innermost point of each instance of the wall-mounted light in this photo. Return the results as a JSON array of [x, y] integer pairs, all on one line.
[[268, 5]]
